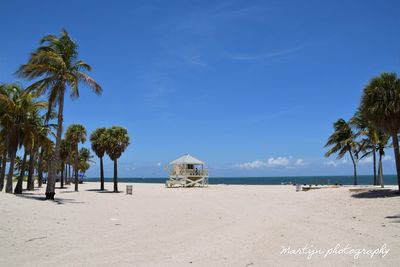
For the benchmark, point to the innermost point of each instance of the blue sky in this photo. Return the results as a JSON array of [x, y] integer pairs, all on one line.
[[250, 87]]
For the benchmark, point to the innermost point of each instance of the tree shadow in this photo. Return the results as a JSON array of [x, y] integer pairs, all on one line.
[[66, 192], [103, 191], [380, 193], [108, 191], [95, 190], [394, 217], [43, 198], [34, 190]]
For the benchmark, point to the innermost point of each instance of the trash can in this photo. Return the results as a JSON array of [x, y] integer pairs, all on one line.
[[129, 189], [298, 187]]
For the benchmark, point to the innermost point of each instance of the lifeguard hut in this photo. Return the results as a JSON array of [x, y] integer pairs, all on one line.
[[187, 171]]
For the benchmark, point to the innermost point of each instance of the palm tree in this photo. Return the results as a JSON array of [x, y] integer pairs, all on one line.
[[19, 105], [117, 142], [44, 144], [64, 154], [31, 168], [33, 135], [4, 90], [84, 159], [76, 134], [55, 63], [368, 145], [46, 150], [22, 168], [3, 159], [380, 104], [383, 140], [343, 141], [3, 151], [98, 140], [30, 127]]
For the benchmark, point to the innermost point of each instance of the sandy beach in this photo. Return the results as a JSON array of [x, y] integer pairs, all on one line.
[[222, 225]]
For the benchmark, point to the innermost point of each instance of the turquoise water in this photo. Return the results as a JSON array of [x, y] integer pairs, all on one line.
[[345, 180]]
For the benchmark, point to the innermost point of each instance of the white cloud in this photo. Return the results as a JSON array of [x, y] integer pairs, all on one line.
[[273, 162], [387, 158], [301, 162], [366, 160], [256, 164], [369, 160], [267, 55], [279, 161], [331, 163]]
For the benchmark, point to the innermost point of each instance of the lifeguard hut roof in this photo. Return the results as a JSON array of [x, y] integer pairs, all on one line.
[[187, 159]]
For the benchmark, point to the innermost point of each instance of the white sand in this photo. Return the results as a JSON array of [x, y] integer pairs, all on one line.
[[215, 226]]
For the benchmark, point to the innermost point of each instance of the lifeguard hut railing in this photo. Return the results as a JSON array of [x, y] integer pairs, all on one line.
[[190, 172]]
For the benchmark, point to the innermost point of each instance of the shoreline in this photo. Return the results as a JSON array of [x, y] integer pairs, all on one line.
[[268, 180]]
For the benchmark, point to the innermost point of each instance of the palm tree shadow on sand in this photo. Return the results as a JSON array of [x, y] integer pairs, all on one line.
[[103, 191], [43, 198], [382, 193], [394, 217]]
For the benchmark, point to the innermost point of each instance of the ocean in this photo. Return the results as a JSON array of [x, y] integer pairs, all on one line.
[[344, 180]]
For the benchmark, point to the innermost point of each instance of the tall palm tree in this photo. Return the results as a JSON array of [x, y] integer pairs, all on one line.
[[33, 135], [117, 141], [3, 158], [98, 140], [3, 151], [380, 104], [44, 144], [4, 90], [64, 154], [22, 169], [19, 105], [343, 141], [55, 63], [46, 150], [30, 130], [76, 134], [368, 144], [382, 144]]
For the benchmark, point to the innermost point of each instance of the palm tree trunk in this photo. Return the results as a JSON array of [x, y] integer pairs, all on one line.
[[76, 167], [51, 180], [396, 156], [18, 187], [65, 166], [62, 176], [9, 183], [380, 171], [69, 173], [3, 169], [355, 167], [31, 182], [101, 174], [374, 161], [66, 173], [40, 168], [2, 159], [115, 176]]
